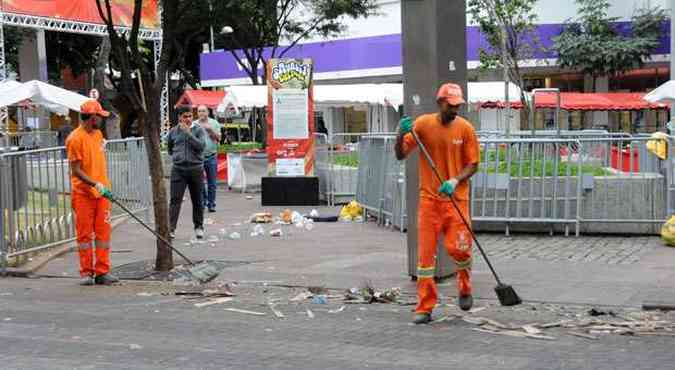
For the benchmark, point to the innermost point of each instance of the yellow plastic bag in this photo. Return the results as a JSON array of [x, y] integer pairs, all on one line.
[[659, 145], [668, 232], [351, 211]]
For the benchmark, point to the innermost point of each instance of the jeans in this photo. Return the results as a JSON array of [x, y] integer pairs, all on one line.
[[209, 192], [193, 179]]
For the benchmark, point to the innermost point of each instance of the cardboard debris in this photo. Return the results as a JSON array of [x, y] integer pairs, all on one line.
[[245, 311], [214, 301]]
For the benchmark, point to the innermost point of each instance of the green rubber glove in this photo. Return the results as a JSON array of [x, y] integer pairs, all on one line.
[[406, 125], [448, 187], [105, 193]]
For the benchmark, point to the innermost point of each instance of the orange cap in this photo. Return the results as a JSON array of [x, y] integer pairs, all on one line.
[[93, 107], [451, 93]]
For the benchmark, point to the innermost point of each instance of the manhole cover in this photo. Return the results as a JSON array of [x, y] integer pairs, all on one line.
[[144, 270]]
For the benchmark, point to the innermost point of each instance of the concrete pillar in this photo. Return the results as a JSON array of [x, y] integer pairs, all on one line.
[[434, 52], [33, 57]]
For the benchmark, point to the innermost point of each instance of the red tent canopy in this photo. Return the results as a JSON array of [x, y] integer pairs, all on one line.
[[587, 102], [195, 98]]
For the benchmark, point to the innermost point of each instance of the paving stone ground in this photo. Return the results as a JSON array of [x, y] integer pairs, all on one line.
[[51, 323]]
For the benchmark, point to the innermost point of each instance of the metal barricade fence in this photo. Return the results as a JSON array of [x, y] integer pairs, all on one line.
[[35, 193], [606, 184]]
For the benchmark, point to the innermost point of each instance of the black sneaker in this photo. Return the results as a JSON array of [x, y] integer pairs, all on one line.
[[422, 318], [212, 209], [466, 302], [106, 279], [199, 233]]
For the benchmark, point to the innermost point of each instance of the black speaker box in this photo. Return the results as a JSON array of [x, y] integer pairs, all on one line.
[[290, 191]]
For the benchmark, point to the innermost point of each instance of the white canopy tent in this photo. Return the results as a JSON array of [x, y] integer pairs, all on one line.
[[380, 101], [53, 98], [663, 93]]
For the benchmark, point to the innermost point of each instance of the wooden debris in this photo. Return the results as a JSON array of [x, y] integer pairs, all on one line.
[[583, 335], [245, 311], [276, 312], [554, 324], [477, 309], [530, 329], [213, 301]]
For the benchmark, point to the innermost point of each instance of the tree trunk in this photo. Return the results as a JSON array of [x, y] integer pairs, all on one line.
[[164, 257]]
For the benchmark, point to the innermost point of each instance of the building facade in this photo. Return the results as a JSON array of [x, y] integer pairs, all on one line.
[[370, 51]]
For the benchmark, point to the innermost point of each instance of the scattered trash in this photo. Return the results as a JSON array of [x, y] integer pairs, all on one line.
[[213, 239], [214, 301], [121, 251], [145, 294], [223, 291], [317, 290], [209, 221], [477, 309], [529, 329], [342, 308], [261, 218], [309, 224], [320, 299], [235, 236], [276, 312], [7, 319], [249, 197], [351, 211], [286, 217], [6, 293], [368, 294], [296, 218], [301, 297], [276, 232], [245, 311], [135, 346], [258, 230], [310, 314], [314, 213], [594, 312]]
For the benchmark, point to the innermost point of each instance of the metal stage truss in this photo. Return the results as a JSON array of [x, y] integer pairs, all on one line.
[[68, 26]]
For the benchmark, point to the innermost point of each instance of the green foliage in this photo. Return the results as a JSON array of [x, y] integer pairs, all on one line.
[[350, 159], [13, 37], [238, 147], [519, 19], [536, 166], [591, 43], [68, 50]]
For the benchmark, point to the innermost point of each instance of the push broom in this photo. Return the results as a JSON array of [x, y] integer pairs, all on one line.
[[202, 272], [506, 294]]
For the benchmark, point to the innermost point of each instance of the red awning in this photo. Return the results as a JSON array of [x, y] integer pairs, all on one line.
[[195, 98], [587, 102]]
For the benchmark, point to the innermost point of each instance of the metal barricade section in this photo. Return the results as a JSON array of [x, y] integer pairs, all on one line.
[[591, 183], [35, 193]]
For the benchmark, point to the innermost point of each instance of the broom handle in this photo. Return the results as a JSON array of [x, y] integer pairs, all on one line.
[[424, 151], [125, 209]]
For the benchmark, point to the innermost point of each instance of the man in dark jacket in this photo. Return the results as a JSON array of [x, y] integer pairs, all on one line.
[[186, 143]]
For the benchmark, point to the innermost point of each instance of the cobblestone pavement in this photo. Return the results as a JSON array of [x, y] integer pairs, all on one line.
[[603, 249]]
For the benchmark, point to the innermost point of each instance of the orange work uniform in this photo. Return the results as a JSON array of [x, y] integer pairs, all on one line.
[[92, 211], [452, 147]]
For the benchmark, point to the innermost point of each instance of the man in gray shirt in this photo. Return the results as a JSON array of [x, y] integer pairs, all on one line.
[[186, 143], [212, 129]]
